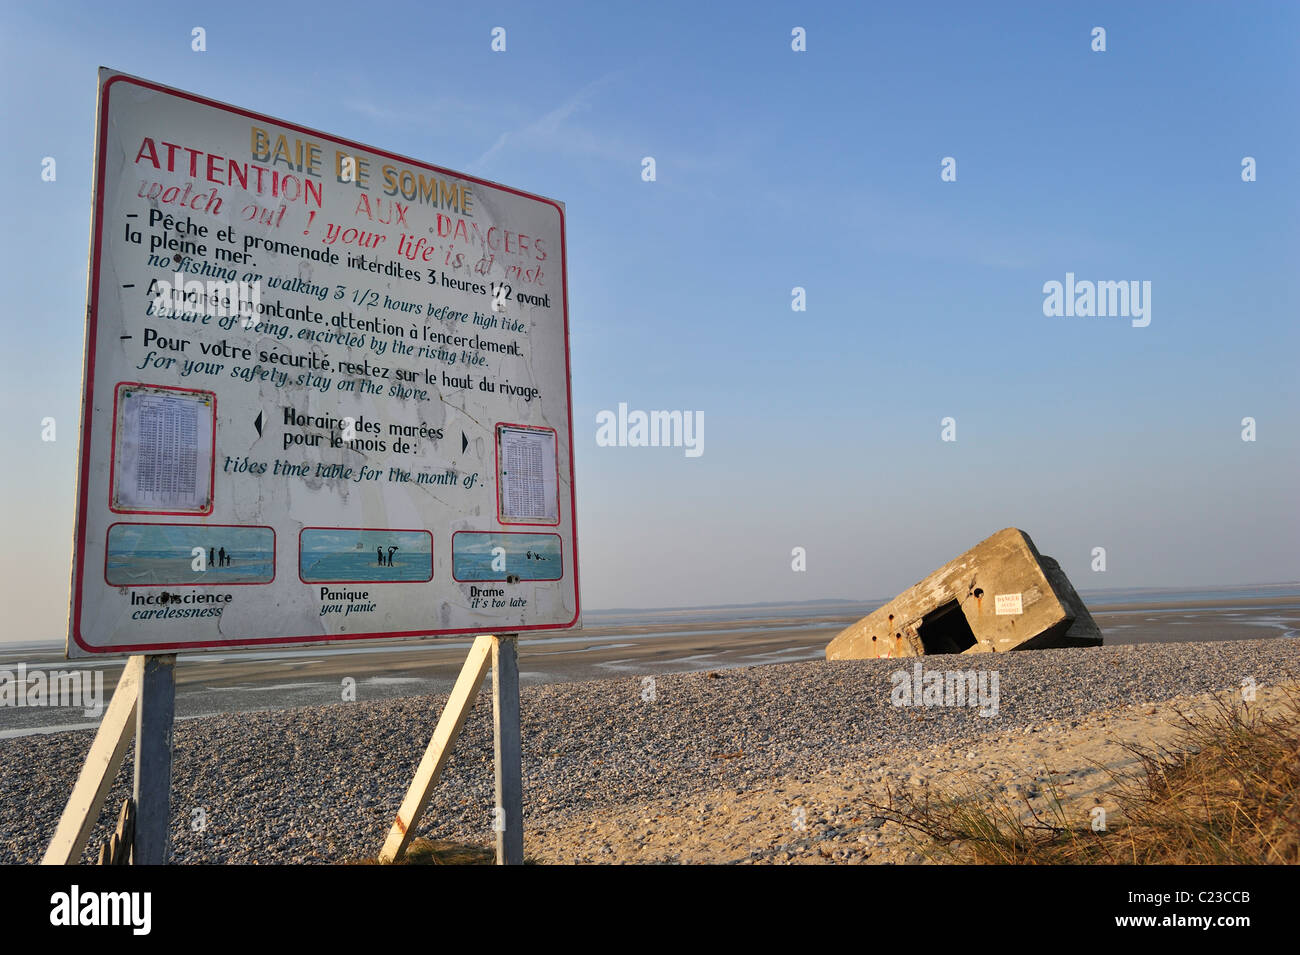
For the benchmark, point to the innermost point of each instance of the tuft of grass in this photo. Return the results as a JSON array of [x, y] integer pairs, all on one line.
[[423, 851], [1227, 791]]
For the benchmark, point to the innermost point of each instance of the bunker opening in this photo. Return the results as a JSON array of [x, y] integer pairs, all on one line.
[[945, 630]]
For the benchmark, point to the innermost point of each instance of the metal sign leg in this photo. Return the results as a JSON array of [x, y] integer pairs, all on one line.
[[509, 815], [154, 718]]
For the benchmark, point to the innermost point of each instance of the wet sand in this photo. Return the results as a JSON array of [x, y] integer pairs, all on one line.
[[676, 642]]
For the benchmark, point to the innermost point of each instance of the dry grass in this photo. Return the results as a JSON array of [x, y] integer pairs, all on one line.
[[423, 851], [1227, 791]]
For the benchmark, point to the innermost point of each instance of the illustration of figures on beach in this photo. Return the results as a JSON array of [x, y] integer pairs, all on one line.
[[491, 556], [339, 555], [147, 555]]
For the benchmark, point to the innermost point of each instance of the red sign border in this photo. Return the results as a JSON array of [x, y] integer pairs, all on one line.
[[88, 381]]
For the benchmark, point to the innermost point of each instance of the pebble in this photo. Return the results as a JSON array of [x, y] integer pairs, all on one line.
[[322, 784]]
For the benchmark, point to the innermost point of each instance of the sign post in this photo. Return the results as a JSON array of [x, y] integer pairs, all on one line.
[[154, 721], [508, 816], [99, 770], [326, 398]]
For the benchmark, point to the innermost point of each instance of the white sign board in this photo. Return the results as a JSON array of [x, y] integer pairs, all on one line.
[[326, 391], [1007, 605]]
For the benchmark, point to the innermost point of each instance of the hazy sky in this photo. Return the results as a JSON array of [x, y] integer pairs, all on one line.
[[776, 169]]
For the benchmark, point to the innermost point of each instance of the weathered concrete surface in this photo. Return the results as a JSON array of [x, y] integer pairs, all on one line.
[[955, 609]]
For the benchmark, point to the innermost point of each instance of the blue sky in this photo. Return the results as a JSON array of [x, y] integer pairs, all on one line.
[[778, 169]]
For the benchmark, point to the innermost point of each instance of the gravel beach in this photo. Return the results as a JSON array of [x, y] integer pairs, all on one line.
[[322, 783]]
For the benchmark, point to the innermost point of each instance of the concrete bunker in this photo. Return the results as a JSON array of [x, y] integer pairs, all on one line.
[[1000, 595]]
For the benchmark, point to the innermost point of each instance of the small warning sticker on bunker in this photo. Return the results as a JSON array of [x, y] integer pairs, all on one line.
[[1008, 604]]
